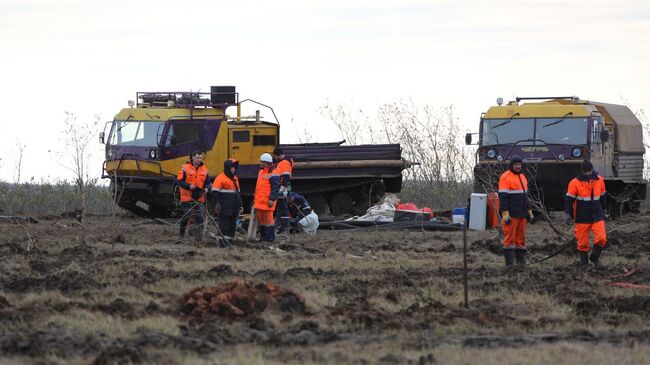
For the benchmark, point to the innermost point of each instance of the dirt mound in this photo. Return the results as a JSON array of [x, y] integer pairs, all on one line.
[[237, 299]]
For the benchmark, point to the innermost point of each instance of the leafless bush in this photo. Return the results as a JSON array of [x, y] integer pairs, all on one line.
[[348, 121], [20, 149], [428, 135], [76, 137]]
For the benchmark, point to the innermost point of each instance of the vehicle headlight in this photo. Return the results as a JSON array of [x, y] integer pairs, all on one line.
[[152, 154], [561, 157], [500, 158], [577, 152], [110, 153], [491, 154]]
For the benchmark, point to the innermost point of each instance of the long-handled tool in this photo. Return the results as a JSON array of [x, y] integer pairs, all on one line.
[[252, 226]]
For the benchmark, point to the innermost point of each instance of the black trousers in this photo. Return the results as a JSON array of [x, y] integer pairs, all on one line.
[[193, 211], [228, 225], [282, 212]]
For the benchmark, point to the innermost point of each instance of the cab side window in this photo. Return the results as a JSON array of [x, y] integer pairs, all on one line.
[[184, 133]]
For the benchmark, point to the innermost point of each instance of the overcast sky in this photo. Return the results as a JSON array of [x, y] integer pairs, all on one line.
[[90, 57]]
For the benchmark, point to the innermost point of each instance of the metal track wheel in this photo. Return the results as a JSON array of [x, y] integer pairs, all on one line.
[[341, 203], [317, 203]]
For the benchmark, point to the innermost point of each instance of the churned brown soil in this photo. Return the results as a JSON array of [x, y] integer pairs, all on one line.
[[341, 297]]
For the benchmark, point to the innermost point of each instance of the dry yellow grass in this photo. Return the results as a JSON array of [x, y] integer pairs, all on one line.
[[375, 297]]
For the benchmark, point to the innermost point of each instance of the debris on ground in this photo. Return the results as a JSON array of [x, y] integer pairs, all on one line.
[[238, 299], [392, 215], [361, 226]]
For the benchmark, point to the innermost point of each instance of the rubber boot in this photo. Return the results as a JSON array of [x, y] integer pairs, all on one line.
[[584, 259], [267, 233], [270, 234], [595, 257], [263, 233], [520, 256], [199, 234], [509, 255]]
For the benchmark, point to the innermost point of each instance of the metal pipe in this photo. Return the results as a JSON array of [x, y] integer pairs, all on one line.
[[404, 164], [465, 289]]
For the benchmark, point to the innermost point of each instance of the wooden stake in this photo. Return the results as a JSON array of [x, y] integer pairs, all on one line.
[[252, 227], [465, 265]]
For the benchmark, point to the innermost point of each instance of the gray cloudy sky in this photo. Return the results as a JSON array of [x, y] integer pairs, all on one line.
[[90, 57]]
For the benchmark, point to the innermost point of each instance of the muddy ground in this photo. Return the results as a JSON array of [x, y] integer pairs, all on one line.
[[370, 297]]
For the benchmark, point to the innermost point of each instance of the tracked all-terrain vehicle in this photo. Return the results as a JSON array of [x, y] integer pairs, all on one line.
[[553, 135], [147, 143]]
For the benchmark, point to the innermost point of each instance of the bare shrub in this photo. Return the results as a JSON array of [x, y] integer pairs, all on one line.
[[20, 149], [353, 125], [428, 135], [18, 166], [76, 138]]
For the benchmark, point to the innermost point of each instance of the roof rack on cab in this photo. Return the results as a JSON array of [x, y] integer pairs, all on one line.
[[218, 97]]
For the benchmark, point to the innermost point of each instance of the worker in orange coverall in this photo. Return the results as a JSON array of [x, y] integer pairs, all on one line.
[[515, 212], [266, 195], [586, 205]]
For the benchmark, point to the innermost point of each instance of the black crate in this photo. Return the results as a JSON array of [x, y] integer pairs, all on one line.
[[223, 95], [411, 216]]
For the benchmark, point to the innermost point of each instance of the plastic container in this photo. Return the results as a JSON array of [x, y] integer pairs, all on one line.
[[478, 212], [458, 215], [406, 206], [493, 205]]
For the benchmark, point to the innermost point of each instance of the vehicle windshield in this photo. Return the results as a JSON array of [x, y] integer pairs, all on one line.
[[135, 133], [507, 131], [568, 131]]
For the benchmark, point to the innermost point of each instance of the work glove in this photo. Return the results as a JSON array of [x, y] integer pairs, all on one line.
[[505, 215], [283, 191], [217, 209], [531, 217], [606, 215], [271, 202], [568, 220]]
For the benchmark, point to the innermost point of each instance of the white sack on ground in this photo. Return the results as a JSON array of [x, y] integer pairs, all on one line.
[[310, 223], [383, 212]]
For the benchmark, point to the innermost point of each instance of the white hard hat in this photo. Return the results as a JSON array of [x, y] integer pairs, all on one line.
[[266, 157]]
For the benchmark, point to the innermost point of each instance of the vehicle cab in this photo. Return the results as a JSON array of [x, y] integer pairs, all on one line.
[[148, 142]]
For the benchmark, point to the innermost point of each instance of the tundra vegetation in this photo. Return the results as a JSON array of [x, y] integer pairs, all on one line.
[[387, 297]]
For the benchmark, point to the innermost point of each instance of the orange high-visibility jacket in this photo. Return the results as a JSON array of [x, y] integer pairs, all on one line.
[[285, 167], [586, 198], [267, 188], [513, 195], [226, 191], [197, 176]]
